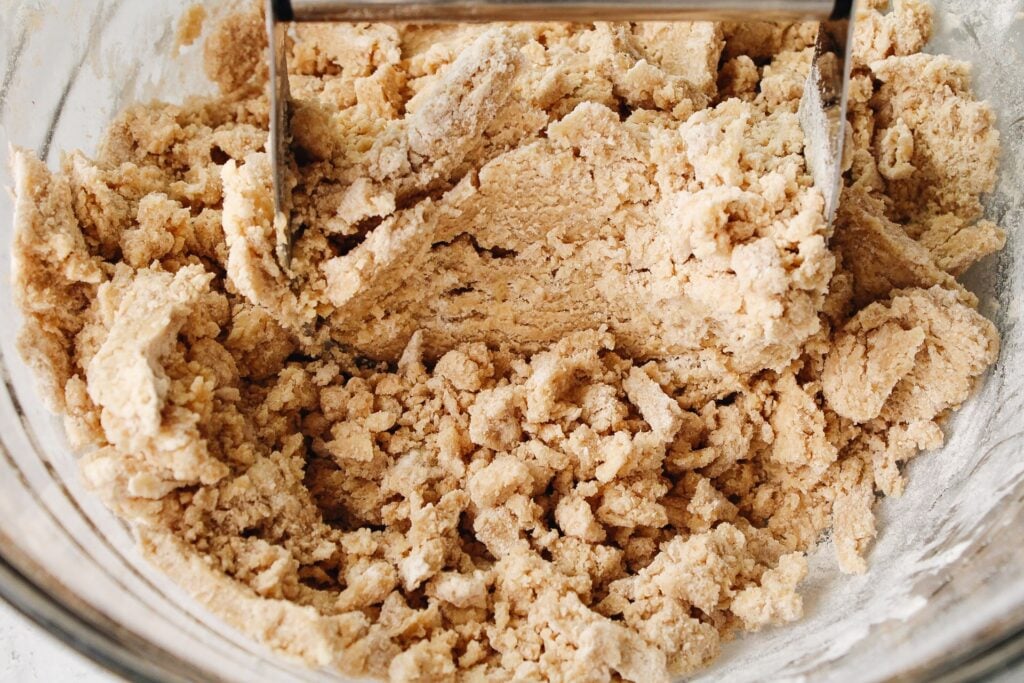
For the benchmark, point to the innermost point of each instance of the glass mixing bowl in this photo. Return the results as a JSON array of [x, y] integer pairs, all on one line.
[[944, 597]]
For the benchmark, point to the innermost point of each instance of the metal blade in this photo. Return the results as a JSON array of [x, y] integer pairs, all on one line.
[[823, 111], [280, 133]]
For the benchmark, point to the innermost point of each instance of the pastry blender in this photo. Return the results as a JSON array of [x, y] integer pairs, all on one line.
[[821, 108]]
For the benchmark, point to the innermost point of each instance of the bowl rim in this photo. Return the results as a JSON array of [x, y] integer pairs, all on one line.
[[123, 652], [31, 591]]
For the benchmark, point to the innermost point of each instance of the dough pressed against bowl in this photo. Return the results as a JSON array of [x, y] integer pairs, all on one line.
[[570, 375]]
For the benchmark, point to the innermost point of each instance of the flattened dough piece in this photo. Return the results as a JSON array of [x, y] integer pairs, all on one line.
[[879, 253], [864, 366], [871, 371], [125, 377], [52, 272]]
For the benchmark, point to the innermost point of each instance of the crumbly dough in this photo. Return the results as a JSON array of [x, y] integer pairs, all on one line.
[[569, 372]]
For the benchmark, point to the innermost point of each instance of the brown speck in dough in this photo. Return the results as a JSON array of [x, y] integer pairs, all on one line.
[[190, 25], [569, 373]]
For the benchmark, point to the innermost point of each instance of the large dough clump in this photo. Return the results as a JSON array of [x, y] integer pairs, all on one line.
[[569, 372]]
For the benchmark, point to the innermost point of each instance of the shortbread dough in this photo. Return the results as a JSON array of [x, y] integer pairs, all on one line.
[[569, 372]]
